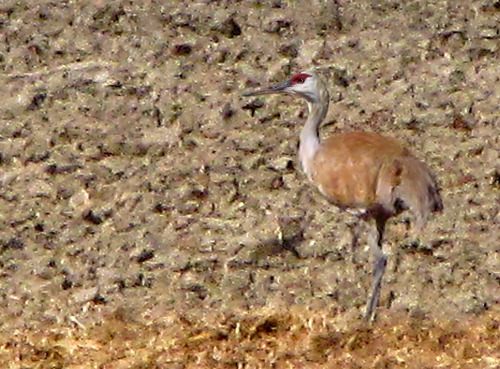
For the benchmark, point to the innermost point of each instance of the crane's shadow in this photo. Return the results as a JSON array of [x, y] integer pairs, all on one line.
[[288, 240], [277, 246]]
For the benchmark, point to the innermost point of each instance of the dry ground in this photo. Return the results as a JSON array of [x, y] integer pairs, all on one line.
[[151, 217]]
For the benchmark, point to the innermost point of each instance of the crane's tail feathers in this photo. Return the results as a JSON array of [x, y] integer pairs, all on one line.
[[417, 189]]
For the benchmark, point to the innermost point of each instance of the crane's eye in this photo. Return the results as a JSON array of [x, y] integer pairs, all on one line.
[[299, 78]]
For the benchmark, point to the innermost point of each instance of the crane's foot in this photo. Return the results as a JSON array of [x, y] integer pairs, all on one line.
[[416, 246]]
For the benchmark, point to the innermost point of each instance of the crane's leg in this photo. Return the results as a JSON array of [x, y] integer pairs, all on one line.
[[355, 228], [379, 264]]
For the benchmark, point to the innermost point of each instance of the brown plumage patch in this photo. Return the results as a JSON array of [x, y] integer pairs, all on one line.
[[348, 166]]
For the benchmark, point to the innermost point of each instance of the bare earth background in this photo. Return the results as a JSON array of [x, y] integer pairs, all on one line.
[[151, 217]]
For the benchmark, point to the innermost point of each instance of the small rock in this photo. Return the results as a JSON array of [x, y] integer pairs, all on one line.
[[67, 283], [227, 112], [145, 255], [277, 26], [85, 295], [277, 183], [230, 28], [181, 50], [37, 101], [93, 217], [289, 51], [282, 163], [460, 123], [14, 244]]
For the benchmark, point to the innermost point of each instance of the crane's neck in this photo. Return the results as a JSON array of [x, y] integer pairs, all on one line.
[[309, 137]]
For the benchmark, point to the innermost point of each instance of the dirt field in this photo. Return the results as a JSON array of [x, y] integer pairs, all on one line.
[[152, 217]]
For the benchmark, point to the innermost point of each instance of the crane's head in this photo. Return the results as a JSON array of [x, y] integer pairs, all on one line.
[[304, 84]]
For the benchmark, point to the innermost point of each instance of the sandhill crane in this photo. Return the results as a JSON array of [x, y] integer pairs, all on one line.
[[369, 175]]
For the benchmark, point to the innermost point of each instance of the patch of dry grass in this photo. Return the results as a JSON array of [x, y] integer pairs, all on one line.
[[262, 339]]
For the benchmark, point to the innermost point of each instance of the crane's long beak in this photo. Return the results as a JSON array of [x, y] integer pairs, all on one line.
[[281, 88]]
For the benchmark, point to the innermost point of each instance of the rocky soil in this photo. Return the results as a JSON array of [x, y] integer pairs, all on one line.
[[152, 217]]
